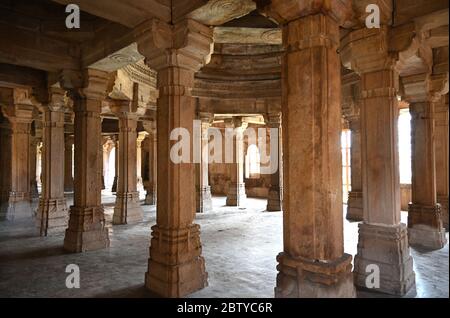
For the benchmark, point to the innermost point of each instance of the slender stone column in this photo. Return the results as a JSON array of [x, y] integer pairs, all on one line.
[[140, 138], [19, 111], [204, 201], [236, 190], [68, 154], [115, 139], [34, 193], [128, 208], [151, 184], [313, 262], [275, 199], [383, 240], [52, 215], [441, 144], [176, 267], [355, 197], [425, 228], [87, 229]]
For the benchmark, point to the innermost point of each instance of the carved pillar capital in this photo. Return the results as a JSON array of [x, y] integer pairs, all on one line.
[[17, 105], [273, 120], [187, 45]]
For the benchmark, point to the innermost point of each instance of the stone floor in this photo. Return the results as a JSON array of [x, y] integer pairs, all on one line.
[[239, 246]]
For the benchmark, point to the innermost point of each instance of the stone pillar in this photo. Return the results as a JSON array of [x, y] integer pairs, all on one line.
[[52, 214], [176, 267], [355, 197], [441, 145], [87, 230], [128, 208], [34, 193], [236, 190], [383, 240], [115, 139], [425, 228], [150, 184], [140, 138], [313, 262], [204, 201], [19, 111], [275, 199], [68, 154]]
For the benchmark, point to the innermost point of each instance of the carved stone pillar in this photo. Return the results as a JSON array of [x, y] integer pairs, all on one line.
[[68, 163], [236, 189], [19, 111], [355, 197], [128, 208], [313, 262], [87, 230], [115, 139], [383, 240], [140, 138], [204, 201], [52, 214], [425, 228], [275, 199], [176, 267], [151, 184], [441, 144]]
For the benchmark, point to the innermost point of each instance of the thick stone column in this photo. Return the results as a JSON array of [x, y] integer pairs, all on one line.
[[425, 228], [128, 208], [383, 240], [236, 190], [151, 184], [176, 267], [204, 201], [52, 214], [275, 199], [115, 139], [19, 111], [313, 262], [68, 156], [355, 197], [441, 145], [87, 229]]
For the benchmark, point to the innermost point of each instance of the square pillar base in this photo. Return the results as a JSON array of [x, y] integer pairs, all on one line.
[[301, 278], [128, 209], [355, 206], [387, 247], [87, 231], [176, 267], [150, 198], [205, 201], [52, 216], [425, 229], [17, 208], [274, 201], [236, 194]]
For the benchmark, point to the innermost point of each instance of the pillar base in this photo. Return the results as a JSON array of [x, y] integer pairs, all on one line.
[[236, 194], [87, 231], [387, 247], [205, 200], [443, 201], [355, 206], [274, 201], [303, 278], [17, 208], [176, 267], [425, 229], [52, 216], [150, 198], [128, 209]]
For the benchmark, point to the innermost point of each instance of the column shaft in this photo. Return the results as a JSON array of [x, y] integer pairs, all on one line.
[[204, 201], [355, 197], [68, 163], [274, 201]]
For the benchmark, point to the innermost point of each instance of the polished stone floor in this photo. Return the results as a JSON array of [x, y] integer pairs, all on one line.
[[239, 246]]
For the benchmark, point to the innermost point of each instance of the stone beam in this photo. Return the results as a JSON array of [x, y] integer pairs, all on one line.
[[247, 35], [218, 12], [35, 50], [13, 76]]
